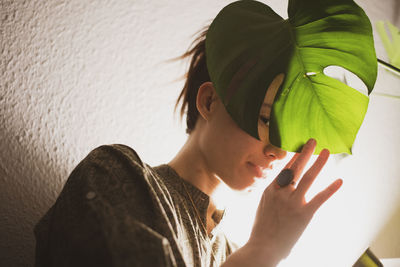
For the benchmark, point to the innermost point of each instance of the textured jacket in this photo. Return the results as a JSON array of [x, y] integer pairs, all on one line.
[[115, 210]]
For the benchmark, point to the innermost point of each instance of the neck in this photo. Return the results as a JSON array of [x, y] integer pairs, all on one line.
[[190, 164]]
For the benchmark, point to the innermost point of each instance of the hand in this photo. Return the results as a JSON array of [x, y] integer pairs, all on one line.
[[283, 214]]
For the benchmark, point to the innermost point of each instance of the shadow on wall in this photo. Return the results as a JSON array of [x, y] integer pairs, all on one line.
[[30, 183]]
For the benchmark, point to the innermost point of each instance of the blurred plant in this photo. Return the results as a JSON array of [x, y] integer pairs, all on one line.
[[392, 45]]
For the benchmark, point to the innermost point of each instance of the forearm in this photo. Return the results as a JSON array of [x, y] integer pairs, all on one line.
[[252, 256]]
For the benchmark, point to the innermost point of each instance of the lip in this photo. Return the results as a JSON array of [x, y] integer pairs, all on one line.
[[257, 170]]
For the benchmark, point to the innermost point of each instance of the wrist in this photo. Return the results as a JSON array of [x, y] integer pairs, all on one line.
[[253, 255], [263, 255]]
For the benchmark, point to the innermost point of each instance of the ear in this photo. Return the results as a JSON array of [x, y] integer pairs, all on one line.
[[206, 100]]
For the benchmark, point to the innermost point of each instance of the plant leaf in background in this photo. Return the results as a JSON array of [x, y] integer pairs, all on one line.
[[312, 104], [392, 47], [248, 44]]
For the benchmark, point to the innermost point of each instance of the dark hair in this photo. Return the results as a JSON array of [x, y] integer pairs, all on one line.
[[195, 77]]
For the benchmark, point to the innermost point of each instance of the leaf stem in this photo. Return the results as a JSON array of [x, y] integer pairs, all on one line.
[[389, 67]]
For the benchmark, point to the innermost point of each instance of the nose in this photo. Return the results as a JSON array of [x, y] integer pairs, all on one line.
[[274, 152]]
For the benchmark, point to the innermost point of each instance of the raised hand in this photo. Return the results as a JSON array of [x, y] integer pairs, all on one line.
[[283, 213]]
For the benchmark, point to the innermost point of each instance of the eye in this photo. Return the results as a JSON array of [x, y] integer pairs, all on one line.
[[265, 120]]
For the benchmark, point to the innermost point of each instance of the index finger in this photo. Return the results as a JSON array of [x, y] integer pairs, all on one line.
[[313, 171], [289, 164], [298, 165]]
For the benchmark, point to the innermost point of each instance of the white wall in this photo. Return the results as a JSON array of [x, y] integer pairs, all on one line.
[[78, 74]]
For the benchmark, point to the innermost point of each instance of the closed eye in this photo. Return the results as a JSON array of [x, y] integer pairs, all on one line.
[[264, 120]]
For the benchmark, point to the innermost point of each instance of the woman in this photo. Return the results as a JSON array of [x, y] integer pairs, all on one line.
[[116, 210]]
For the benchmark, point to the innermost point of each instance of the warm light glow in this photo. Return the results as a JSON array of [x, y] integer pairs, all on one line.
[[344, 227]]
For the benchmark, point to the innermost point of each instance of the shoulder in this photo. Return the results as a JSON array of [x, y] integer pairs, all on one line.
[[117, 154], [111, 179], [108, 168], [104, 205], [118, 163]]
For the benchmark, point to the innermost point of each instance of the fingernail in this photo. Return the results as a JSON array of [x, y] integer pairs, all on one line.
[[312, 141]]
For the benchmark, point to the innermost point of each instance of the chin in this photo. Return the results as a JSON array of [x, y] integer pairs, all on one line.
[[242, 182]]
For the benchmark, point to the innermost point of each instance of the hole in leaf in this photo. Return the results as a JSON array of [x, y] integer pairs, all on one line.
[[347, 77], [310, 73]]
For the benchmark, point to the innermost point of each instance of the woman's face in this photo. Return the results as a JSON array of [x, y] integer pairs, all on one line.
[[233, 155]]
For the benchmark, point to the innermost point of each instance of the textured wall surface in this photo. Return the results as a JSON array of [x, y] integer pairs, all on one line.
[[78, 74]]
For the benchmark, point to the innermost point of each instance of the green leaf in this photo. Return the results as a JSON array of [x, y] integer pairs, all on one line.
[[248, 44], [325, 33]]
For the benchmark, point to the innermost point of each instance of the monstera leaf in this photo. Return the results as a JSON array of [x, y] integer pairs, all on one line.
[[310, 104]]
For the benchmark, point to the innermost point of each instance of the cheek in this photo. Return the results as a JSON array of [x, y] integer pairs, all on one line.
[[263, 133], [230, 148], [219, 145]]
